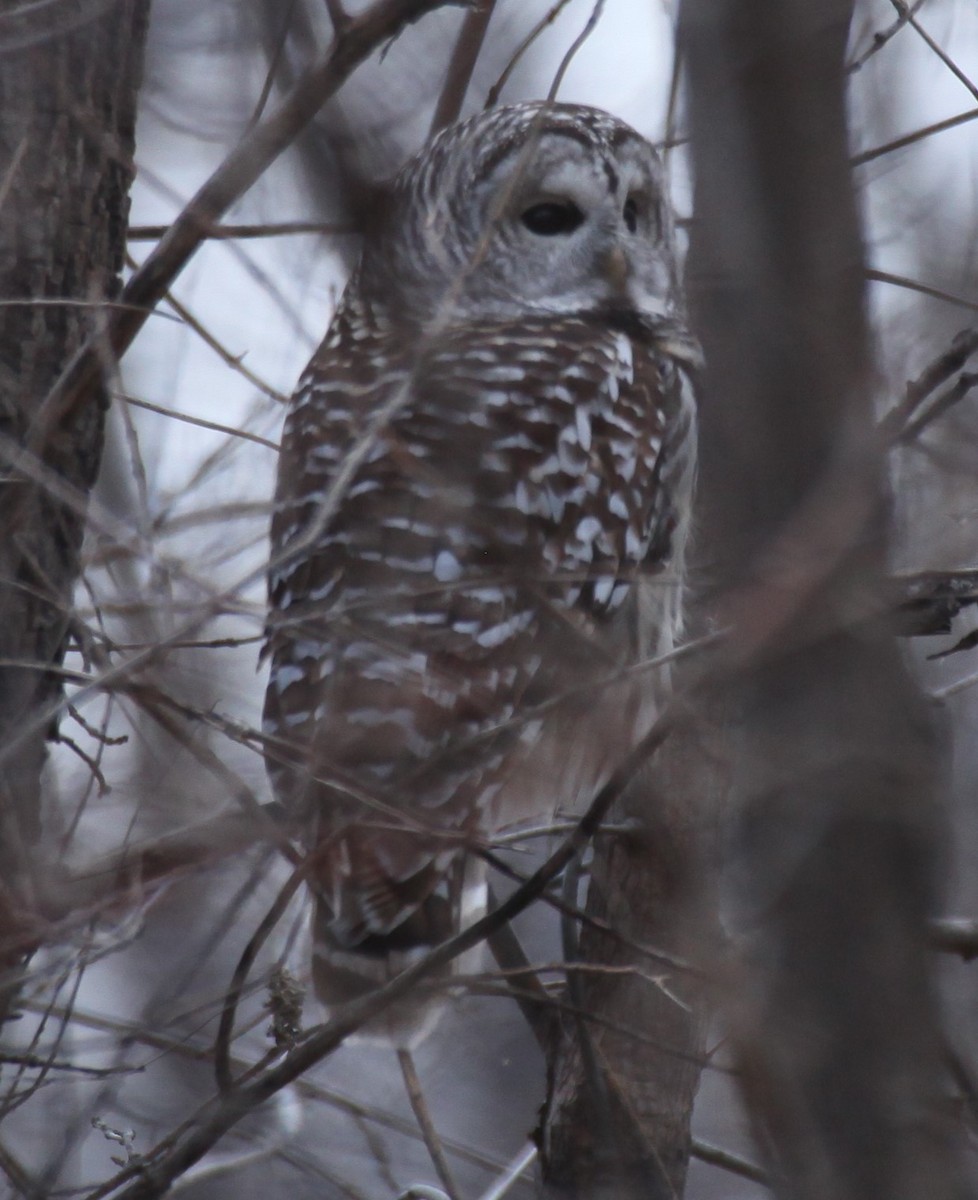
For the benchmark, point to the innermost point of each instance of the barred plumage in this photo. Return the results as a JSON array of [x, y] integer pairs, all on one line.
[[483, 494]]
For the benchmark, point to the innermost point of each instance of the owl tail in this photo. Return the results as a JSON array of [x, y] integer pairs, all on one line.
[[365, 935]]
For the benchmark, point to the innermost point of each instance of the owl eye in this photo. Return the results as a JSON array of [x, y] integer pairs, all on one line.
[[630, 213], [552, 217]]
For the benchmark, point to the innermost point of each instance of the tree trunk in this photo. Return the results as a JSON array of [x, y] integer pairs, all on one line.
[[67, 115], [622, 1081], [835, 800]]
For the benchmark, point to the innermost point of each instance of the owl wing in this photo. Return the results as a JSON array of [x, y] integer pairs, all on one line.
[[476, 560]]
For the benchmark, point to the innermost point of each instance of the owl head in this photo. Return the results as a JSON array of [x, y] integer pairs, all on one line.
[[534, 207]]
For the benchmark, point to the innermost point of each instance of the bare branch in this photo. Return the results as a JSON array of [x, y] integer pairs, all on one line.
[[881, 39], [925, 289], [275, 58], [941, 404], [201, 422], [833, 798], [269, 229], [225, 1031], [510, 956], [360, 37], [18, 1176], [234, 361], [906, 14], [512, 1173], [548, 19], [220, 1115], [727, 1161], [37, 21], [419, 1106], [139, 1034], [931, 600], [906, 419], [909, 139], [582, 37], [462, 64]]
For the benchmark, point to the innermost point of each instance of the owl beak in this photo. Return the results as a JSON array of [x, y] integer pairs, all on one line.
[[616, 270]]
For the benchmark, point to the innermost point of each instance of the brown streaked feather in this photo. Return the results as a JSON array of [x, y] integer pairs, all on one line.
[[464, 573]]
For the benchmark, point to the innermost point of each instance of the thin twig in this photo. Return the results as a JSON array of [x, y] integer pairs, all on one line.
[[968, 642], [525, 833], [200, 422], [908, 139], [492, 97], [479, 986], [930, 600], [273, 62], [925, 289], [34, 1061], [19, 1178], [511, 958], [225, 1029], [941, 404], [139, 1034], [280, 1129], [269, 229], [256, 151], [221, 643], [963, 345], [103, 786], [70, 302], [25, 25], [672, 961], [70, 903], [501, 1186], [576, 967], [670, 141], [727, 1161], [74, 972], [238, 252], [577, 43], [462, 65], [220, 1115], [94, 731], [945, 58], [909, 414], [880, 40], [233, 360], [419, 1106]]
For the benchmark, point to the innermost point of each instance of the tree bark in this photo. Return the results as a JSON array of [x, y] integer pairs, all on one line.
[[835, 799], [623, 1080], [67, 116]]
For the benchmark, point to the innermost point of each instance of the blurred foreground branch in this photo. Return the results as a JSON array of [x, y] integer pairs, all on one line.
[[835, 796]]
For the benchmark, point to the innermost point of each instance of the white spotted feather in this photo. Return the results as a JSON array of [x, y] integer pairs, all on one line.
[[511, 533]]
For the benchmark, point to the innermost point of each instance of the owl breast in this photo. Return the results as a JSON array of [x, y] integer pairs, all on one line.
[[478, 531], [485, 555]]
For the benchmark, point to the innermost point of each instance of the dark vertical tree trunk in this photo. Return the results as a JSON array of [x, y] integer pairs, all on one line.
[[621, 1088], [836, 791], [67, 113]]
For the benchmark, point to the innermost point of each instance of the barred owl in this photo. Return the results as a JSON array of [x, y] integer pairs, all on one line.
[[482, 499]]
